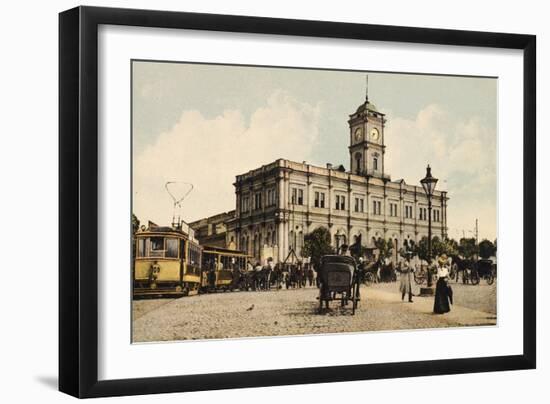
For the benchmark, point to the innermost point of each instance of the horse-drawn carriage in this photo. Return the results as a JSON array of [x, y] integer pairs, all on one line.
[[338, 281], [473, 271]]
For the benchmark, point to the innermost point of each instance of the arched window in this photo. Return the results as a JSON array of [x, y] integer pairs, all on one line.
[[375, 163], [358, 163], [273, 238], [268, 238]]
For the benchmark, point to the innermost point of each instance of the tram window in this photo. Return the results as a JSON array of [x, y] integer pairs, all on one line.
[[226, 262], [141, 247], [156, 247], [209, 261], [157, 243], [171, 248]]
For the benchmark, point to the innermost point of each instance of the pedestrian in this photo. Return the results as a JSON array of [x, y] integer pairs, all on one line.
[[443, 292], [257, 274], [310, 275], [406, 271]]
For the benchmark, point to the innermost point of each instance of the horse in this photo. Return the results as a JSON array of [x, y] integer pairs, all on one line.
[[461, 265], [277, 277]]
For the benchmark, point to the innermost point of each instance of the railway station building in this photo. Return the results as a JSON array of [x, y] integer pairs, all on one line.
[[277, 204]]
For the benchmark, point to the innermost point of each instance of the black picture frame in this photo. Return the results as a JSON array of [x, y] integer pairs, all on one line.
[[78, 200]]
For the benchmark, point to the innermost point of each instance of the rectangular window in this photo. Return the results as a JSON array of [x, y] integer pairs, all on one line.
[[172, 248], [300, 197], [141, 247], [322, 201], [156, 247], [377, 207], [337, 206], [244, 204], [294, 196], [342, 203], [317, 201], [359, 205], [271, 197], [257, 200]]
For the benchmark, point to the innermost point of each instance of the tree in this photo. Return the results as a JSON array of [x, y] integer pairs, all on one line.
[[135, 224], [385, 248], [317, 244], [421, 249], [468, 248], [448, 247], [357, 249], [451, 246], [487, 249]]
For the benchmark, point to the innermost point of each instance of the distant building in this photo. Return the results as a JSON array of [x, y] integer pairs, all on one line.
[[212, 231], [279, 203]]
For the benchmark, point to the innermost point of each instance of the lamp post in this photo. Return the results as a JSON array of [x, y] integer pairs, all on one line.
[[428, 183]]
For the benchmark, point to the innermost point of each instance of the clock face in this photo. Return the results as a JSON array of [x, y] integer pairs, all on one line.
[[358, 134], [374, 134]]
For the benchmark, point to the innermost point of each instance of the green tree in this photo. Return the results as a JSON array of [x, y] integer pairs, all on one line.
[[135, 224], [317, 244], [487, 249], [445, 246], [421, 249], [451, 247], [385, 248], [468, 248]]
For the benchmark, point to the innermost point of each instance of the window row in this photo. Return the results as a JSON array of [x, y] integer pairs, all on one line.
[[320, 201], [257, 202]]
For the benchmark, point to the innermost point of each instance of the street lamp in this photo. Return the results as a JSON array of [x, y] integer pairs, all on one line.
[[429, 183]]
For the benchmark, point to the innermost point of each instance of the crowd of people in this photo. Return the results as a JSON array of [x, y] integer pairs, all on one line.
[[443, 297], [258, 277], [443, 292]]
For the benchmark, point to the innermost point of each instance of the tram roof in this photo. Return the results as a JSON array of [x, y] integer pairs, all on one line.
[[162, 230], [208, 248]]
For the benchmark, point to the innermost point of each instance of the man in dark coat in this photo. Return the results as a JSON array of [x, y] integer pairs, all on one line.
[[443, 295]]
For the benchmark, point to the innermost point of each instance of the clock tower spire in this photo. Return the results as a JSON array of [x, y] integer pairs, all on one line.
[[367, 146]]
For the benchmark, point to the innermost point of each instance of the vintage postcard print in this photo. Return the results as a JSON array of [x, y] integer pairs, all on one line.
[[273, 201]]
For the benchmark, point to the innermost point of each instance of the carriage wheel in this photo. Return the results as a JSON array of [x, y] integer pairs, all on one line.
[[490, 279], [474, 279]]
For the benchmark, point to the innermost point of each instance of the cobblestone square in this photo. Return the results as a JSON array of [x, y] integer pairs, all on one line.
[[295, 312]]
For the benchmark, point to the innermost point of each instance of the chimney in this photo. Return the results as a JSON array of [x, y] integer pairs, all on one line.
[[329, 166]]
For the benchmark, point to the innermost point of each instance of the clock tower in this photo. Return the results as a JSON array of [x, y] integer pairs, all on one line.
[[367, 147]]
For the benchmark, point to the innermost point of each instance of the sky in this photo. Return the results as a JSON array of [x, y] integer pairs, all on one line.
[[204, 124]]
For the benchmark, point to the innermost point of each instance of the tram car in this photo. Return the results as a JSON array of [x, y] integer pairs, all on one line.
[[167, 261], [223, 269]]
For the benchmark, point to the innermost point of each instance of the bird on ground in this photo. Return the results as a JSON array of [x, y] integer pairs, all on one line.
[[250, 308]]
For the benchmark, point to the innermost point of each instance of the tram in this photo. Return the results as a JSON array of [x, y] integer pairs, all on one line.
[[223, 269], [167, 261]]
